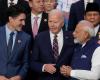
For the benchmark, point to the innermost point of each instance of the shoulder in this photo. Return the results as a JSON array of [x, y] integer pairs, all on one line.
[[24, 35]]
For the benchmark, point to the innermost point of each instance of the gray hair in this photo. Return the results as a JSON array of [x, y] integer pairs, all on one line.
[[55, 12], [87, 27]]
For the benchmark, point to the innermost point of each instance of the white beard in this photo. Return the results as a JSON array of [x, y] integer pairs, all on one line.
[[76, 41]]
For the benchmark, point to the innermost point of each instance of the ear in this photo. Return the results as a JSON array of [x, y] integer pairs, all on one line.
[[10, 18], [84, 17], [30, 4]]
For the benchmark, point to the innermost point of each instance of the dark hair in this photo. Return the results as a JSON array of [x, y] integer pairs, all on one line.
[[14, 11], [92, 7]]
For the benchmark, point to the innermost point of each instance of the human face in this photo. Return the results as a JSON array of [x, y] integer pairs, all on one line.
[[55, 23], [93, 16], [17, 22], [80, 36], [36, 6], [49, 5]]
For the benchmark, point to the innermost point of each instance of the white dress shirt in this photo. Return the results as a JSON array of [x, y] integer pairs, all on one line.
[[39, 19], [92, 74], [14, 1], [59, 39], [65, 5]]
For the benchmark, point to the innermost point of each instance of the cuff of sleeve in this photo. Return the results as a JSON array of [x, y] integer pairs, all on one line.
[[72, 74], [43, 68]]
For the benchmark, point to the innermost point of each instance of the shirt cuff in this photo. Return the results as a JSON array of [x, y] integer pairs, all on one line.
[[72, 74], [43, 68]]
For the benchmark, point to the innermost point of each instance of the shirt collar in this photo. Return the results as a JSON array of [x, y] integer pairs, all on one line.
[[59, 34], [33, 15]]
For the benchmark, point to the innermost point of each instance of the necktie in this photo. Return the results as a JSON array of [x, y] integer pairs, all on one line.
[[11, 2], [55, 47], [35, 26], [10, 43]]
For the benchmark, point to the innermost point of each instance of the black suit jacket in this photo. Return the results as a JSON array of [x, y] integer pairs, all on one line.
[[43, 25], [4, 5], [77, 14]]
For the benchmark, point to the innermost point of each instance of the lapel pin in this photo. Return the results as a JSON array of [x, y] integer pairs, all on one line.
[[19, 41], [45, 20], [83, 56]]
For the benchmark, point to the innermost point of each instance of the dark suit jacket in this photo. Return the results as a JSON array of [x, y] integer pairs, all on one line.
[[77, 14], [4, 5], [18, 63], [97, 35], [43, 25], [43, 54]]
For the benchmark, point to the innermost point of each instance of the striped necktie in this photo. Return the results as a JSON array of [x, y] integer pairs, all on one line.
[[55, 47]]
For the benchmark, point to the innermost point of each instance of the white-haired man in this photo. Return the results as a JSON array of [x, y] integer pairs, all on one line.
[[85, 63]]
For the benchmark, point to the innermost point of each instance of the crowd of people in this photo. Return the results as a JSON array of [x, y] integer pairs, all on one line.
[[49, 40]]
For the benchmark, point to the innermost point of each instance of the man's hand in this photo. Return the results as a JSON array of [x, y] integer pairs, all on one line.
[[50, 68], [65, 70], [16, 78], [3, 78]]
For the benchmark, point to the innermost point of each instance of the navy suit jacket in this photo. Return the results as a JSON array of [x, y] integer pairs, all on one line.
[[18, 63], [43, 54], [77, 13]]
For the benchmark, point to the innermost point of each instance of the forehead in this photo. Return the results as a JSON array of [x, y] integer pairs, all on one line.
[[92, 12], [54, 16]]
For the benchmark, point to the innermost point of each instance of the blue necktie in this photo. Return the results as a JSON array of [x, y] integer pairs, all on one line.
[[10, 43]]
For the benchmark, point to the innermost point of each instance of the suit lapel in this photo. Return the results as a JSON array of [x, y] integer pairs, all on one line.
[[48, 45], [65, 42], [43, 23]]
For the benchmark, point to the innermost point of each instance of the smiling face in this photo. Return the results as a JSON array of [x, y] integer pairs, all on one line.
[[17, 22]]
